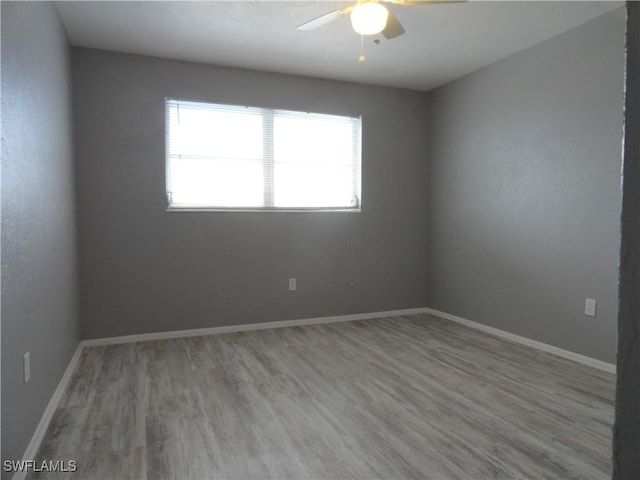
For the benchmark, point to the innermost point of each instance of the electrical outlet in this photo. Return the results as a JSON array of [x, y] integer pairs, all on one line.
[[26, 364], [590, 307], [292, 285]]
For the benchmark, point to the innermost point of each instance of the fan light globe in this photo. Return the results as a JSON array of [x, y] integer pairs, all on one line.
[[369, 18]]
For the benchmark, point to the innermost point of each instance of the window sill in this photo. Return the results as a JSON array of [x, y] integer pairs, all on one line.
[[171, 209]]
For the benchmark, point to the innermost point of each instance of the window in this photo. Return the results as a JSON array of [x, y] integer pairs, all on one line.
[[227, 157]]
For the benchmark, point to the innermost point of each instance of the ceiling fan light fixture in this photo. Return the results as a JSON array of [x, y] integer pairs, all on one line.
[[369, 18]]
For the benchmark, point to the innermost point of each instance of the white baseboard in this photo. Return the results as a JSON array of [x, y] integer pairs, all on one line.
[[143, 337], [576, 357], [45, 420]]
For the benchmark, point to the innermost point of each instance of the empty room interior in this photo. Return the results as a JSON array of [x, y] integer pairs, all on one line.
[[318, 239]]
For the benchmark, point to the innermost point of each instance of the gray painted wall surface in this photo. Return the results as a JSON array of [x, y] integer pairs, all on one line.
[[145, 270], [524, 182], [39, 281], [626, 431]]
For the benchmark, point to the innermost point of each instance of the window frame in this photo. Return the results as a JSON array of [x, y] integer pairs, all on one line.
[[268, 163]]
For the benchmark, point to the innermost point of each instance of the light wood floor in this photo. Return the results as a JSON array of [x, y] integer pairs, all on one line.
[[401, 397]]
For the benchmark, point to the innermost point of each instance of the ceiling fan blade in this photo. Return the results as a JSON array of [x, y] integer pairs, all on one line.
[[422, 2], [393, 29], [324, 19]]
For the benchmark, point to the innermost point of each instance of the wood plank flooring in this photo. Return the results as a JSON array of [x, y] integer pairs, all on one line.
[[402, 397]]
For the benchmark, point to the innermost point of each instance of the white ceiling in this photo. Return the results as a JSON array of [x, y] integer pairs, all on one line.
[[443, 42]]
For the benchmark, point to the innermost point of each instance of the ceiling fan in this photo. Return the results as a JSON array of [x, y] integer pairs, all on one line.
[[369, 17]]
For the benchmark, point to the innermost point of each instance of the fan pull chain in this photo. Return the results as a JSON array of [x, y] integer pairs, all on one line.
[[362, 58]]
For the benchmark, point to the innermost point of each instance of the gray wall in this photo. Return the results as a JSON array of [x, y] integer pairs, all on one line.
[[524, 183], [39, 286], [145, 270], [626, 431]]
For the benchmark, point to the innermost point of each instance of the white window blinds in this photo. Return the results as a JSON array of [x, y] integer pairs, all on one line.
[[249, 158]]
